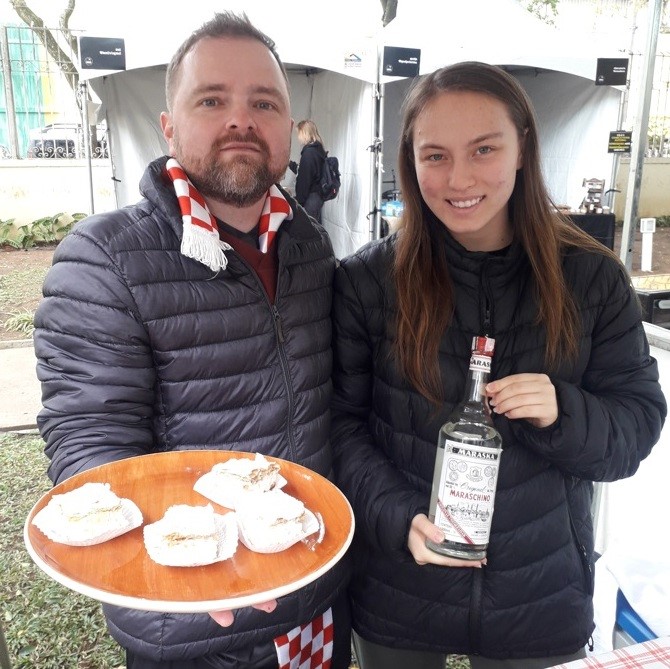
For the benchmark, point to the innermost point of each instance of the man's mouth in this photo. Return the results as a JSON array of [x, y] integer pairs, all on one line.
[[241, 146], [465, 204]]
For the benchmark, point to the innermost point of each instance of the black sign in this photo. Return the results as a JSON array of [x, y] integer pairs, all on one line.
[[102, 53], [401, 62], [612, 71], [620, 141]]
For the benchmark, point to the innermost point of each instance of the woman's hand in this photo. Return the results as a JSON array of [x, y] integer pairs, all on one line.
[[529, 396], [422, 529], [225, 618]]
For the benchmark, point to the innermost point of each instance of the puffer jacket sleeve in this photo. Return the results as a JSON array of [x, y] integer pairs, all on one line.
[[609, 422], [384, 502], [93, 361]]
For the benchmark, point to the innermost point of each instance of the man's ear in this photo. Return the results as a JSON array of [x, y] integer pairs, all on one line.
[[168, 129]]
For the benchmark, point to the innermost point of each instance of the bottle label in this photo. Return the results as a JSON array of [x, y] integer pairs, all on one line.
[[480, 363], [466, 493]]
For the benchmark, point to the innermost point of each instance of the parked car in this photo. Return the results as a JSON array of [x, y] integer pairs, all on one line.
[[65, 140], [55, 140]]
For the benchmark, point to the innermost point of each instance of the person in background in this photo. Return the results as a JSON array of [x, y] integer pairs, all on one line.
[[312, 155], [199, 318], [574, 393]]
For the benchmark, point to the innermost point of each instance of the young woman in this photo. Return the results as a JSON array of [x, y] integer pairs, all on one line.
[[574, 392], [307, 183]]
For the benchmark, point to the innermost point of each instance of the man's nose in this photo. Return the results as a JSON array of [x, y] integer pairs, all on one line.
[[241, 117]]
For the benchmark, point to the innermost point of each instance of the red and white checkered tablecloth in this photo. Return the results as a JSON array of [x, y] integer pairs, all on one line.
[[648, 655]]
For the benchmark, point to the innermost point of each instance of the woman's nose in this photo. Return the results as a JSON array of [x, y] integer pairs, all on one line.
[[461, 175]]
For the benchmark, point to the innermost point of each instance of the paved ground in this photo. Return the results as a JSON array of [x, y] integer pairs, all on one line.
[[19, 388]]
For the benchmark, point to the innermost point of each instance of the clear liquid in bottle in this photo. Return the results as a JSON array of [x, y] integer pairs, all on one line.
[[466, 467]]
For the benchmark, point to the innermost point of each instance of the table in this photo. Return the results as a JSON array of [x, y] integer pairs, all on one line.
[[648, 655], [654, 294], [600, 226]]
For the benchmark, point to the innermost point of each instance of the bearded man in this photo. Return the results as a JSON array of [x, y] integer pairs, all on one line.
[[199, 318]]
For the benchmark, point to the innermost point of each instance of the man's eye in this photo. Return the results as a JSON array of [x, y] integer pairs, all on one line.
[[265, 105], [209, 102]]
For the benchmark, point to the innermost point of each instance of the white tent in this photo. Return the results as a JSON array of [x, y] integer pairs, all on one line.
[[557, 71], [333, 72]]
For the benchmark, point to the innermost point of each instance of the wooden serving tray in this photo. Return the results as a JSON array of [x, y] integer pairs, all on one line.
[[121, 572]]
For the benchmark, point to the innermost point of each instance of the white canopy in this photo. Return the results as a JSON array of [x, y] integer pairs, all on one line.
[[333, 76]]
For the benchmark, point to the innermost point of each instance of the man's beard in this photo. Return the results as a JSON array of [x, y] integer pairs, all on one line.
[[240, 182]]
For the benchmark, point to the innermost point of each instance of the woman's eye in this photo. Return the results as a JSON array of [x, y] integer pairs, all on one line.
[[434, 157], [483, 150]]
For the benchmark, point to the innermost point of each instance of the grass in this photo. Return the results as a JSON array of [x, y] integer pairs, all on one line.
[[21, 285], [21, 323], [46, 625], [20, 292]]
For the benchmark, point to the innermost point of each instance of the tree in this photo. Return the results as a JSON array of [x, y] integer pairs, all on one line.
[[545, 10], [50, 42], [389, 8]]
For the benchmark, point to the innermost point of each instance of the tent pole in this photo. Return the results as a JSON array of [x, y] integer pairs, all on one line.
[[83, 90], [639, 143], [380, 165], [375, 150]]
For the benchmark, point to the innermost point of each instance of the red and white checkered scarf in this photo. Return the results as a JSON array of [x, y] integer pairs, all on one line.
[[200, 237], [307, 646]]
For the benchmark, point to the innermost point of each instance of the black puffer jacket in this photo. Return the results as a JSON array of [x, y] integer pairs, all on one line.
[[141, 349], [308, 179], [534, 596]]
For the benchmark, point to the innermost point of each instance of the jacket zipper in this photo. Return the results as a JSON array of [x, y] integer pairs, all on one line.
[[279, 336], [475, 612], [279, 331], [581, 549]]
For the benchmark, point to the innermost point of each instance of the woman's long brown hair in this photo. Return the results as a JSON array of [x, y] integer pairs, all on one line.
[[423, 284]]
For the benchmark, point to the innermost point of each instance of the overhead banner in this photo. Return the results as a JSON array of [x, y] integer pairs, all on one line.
[[612, 72], [102, 53], [401, 62]]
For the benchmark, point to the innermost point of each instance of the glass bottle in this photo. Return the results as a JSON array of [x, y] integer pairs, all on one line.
[[466, 466]]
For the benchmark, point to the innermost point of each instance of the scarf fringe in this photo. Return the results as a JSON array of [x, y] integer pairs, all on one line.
[[205, 247]]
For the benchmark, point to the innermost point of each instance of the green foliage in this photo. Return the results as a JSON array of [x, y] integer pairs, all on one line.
[[545, 10], [658, 135], [46, 625], [6, 231], [22, 322], [46, 230]]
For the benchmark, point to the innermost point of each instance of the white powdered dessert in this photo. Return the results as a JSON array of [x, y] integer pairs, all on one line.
[[190, 536], [273, 521], [228, 481], [88, 515]]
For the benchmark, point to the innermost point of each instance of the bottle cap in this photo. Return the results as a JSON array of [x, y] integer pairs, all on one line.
[[483, 346]]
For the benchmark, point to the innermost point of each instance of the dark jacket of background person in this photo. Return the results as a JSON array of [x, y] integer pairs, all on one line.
[[534, 596], [309, 171], [141, 349]]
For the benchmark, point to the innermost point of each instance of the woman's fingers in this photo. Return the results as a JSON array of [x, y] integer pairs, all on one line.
[[422, 529]]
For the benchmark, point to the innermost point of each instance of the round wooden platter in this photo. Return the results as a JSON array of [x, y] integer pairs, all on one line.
[[120, 571]]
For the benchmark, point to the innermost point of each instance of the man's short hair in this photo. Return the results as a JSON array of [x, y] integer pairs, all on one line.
[[224, 24]]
